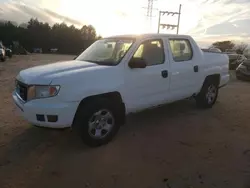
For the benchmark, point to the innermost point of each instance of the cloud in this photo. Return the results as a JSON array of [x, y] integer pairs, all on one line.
[[206, 20], [210, 20], [62, 18], [20, 12], [223, 20]]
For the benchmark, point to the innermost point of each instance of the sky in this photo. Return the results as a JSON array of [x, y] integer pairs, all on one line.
[[206, 20]]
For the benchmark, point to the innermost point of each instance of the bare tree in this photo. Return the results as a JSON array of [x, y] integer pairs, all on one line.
[[223, 45], [240, 48]]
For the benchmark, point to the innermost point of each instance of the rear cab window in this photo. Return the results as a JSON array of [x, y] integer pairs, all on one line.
[[181, 49]]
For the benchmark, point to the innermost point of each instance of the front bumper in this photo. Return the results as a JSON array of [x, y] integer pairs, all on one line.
[[33, 110]]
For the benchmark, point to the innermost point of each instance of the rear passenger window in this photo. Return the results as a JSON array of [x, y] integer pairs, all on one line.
[[151, 51], [181, 49]]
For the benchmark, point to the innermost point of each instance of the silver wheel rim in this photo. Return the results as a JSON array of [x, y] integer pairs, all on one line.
[[100, 124], [211, 94]]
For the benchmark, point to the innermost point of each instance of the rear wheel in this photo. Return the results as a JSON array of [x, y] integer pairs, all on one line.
[[97, 122], [208, 94]]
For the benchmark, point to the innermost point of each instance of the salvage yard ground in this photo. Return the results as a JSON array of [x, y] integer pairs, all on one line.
[[174, 146]]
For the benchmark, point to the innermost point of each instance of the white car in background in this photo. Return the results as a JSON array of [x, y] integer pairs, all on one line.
[[212, 50]]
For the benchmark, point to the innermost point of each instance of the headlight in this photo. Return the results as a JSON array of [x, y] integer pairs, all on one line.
[[37, 91]]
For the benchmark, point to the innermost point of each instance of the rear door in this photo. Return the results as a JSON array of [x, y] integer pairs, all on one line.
[[184, 69]]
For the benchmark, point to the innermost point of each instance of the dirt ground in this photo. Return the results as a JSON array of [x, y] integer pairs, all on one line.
[[174, 146]]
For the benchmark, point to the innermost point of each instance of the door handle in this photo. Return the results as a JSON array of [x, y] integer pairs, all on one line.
[[164, 73], [196, 68]]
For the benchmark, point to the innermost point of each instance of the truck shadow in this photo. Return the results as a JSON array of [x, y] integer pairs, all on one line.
[[35, 139], [160, 113]]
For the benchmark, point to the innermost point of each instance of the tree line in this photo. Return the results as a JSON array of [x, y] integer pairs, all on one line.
[[68, 39], [36, 34], [240, 48]]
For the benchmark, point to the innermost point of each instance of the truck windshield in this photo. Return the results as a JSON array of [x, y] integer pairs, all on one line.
[[108, 51]]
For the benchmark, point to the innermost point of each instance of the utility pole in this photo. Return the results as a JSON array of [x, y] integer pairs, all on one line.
[[150, 8], [162, 13], [179, 17]]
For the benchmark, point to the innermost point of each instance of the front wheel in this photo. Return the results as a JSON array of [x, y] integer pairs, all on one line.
[[97, 122], [208, 94]]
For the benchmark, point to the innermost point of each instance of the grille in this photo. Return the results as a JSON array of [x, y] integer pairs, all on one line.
[[22, 90]]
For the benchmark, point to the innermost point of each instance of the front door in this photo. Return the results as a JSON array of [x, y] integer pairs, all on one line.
[[147, 87]]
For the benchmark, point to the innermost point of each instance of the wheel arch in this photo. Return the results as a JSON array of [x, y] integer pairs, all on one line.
[[115, 97], [213, 77]]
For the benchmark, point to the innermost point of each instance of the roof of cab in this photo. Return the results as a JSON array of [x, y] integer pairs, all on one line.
[[147, 35]]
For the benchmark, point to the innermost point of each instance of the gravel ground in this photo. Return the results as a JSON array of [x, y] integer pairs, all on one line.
[[174, 146]]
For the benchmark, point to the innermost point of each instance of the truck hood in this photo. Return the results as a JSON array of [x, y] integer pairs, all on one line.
[[44, 74]]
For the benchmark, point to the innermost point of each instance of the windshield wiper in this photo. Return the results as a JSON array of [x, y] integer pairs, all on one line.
[[110, 63], [91, 61]]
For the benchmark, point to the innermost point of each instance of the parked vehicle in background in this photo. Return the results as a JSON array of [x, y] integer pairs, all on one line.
[[243, 71], [37, 50], [230, 51], [246, 52], [234, 59], [215, 50], [241, 59], [2, 54], [116, 76], [8, 52], [212, 50], [53, 50]]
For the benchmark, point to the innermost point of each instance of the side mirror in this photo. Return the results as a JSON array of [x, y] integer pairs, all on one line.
[[137, 63]]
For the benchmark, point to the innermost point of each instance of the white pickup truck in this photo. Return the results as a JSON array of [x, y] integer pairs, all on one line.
[[116, 76]]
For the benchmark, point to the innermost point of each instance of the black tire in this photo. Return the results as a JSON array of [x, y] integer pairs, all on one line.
[[85, 113], [203, 99]]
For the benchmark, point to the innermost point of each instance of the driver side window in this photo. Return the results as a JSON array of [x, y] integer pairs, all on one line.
[[151, 51]]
